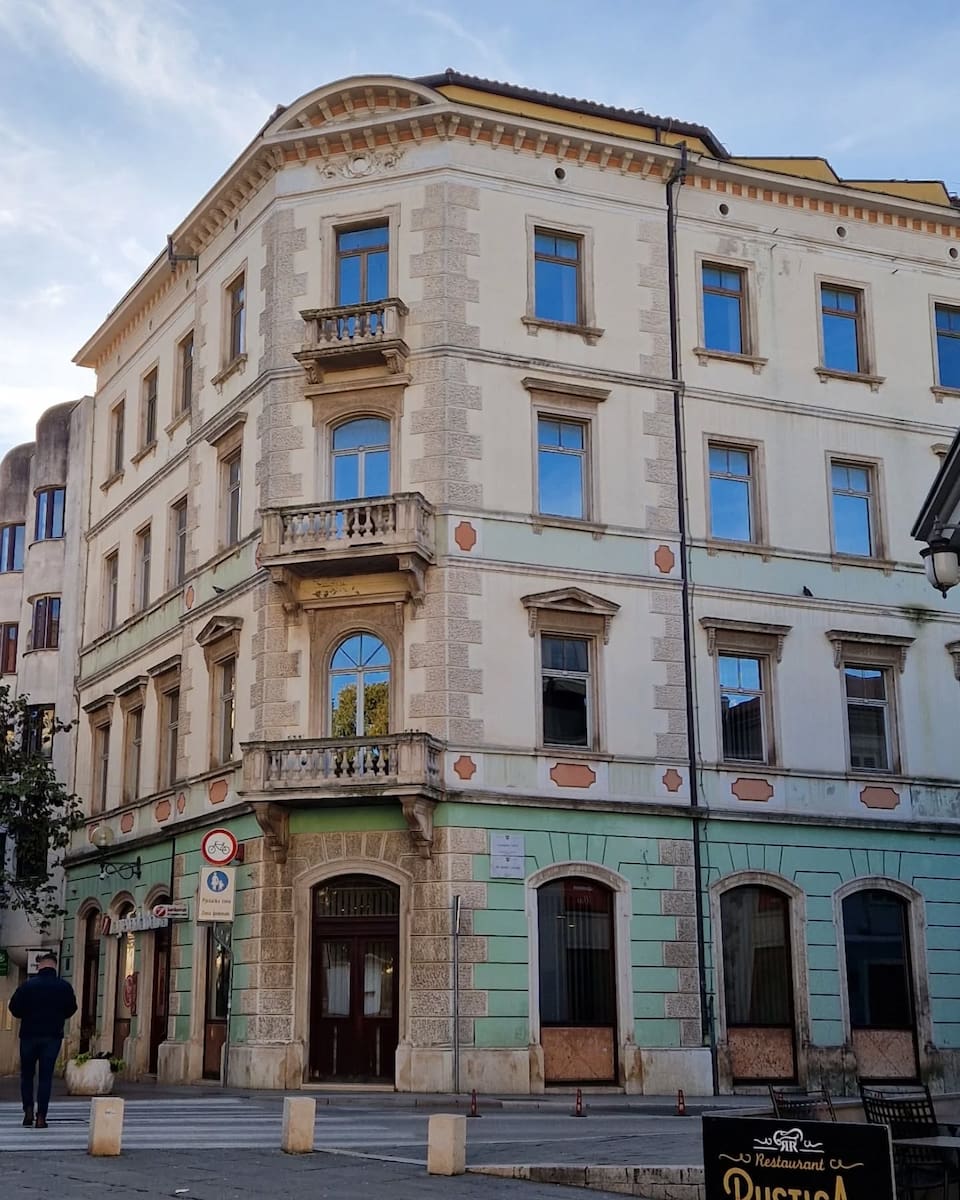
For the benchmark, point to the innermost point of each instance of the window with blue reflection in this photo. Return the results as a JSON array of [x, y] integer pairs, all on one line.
[[852, 488], [360, 688], [362, 257], [948, 346], [561, 467], [723, 309], [361, 459], [731, 501], [840, 312], [50, 507], [11, 547], [557, 278], [741, 707]]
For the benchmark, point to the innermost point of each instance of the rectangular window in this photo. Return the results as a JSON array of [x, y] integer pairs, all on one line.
[[144, 555], [11, 547], [150, 408], [868, 716], [732, 503], [852, 488], [724, 290], [565, 683], [169, 736], [742, 704], [558, 292], [50, 506], [225, 712], [101, 766], [9, 634], [38, 729], [236, 296], [46, 623], [178, 542], [116, 439], [841, 311], [132, 747], [185, 373], [561, 467], [231, 499], [362, 264], [948, 345], [111, 591]]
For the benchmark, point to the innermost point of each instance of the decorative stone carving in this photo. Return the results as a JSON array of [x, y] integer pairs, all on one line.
[[418, 813], [361, 165], [274, 823]]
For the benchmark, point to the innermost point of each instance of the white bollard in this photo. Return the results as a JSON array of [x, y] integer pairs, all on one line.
[[299, 1120], [446, 1145], [106, 1127]]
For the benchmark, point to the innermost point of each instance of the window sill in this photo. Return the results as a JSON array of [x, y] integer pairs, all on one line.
[[886, 565], [589, 333], [144, 452], [574, 753], [874, 381], [177, 421], [110, 481], [939, 393], [236, 366], [39, 650], [541, 521], [715, 545], [704, 355]]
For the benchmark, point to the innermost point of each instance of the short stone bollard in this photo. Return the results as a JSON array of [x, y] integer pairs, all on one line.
[[299, 1121], [106, 1127], [446, 1145]]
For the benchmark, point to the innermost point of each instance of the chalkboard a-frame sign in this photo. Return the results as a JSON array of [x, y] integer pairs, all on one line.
[[755, 1158]]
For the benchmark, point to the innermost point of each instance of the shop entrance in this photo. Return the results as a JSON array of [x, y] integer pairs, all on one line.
[[354, 1002], [161, 994]]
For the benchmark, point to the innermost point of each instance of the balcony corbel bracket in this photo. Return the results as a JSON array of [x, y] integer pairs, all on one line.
[[418, 813], [412, 564], [283, 579], [274, 823]]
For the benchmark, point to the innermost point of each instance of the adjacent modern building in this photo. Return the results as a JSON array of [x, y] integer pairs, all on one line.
[[496, 524], [42, 494]]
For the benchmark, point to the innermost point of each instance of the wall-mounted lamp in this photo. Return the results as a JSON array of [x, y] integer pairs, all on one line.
[[103, 839]]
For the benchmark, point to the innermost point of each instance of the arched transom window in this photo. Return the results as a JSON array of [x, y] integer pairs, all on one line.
[[361, 459], [360, 688]]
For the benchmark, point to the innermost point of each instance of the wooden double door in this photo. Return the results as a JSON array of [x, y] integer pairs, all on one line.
[[354, 1004]]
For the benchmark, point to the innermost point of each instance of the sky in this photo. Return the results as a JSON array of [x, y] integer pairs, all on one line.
[[117, 115]]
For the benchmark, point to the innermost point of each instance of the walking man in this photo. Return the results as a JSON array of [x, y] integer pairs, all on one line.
[[42, 1004]]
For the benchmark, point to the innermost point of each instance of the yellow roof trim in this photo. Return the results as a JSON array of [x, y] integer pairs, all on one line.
[[924, 191], [585, 122], [803, 168]]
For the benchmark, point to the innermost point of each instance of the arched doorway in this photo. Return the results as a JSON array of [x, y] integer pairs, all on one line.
[[160, 999], [758, 988], [90, 979], [354, 1002], [125, 1001], [577, 981], [876, 944]]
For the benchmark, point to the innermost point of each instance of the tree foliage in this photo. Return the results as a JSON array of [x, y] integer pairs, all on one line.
[[37, 813], [377, 710]]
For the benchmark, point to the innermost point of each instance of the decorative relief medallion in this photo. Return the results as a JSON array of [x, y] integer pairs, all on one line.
[[672, 780], [757, 790], [359, 166], [573, 775], [465, 767], [465, 536]]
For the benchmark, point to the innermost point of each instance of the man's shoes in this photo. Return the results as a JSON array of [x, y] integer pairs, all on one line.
[[41, 1123], [28, 1116]]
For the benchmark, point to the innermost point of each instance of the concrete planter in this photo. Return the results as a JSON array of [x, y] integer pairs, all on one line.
[[92, 1078]]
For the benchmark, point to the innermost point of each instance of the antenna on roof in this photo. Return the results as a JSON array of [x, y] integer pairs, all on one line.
[[173, 259]]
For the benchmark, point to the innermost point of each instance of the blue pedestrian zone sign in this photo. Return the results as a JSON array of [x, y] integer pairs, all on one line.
[[216, 894]]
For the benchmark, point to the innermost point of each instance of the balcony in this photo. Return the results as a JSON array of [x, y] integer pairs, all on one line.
[[299, 772], [353, 335], [350, 537]]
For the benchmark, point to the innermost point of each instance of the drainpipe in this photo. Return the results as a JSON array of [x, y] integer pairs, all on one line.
[[674, 183]]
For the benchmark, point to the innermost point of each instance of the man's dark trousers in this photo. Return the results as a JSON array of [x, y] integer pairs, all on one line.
[[37, 1053]]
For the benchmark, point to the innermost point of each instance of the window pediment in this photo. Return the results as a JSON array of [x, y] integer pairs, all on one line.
[[883, 649], [220, 638], [100, 705], [573, 608], [758, 637]]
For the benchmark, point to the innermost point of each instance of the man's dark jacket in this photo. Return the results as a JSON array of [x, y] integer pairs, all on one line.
[[43, 1003]]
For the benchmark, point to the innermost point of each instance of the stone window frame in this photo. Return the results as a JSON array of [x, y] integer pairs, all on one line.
[[231, 363], [335, 223], [567, 402], [220, 641], [347, 402], [110, 619], [938, 389], [889, 652], [865, 334], [587, 327], [752, 639], [328, 628], [99, 713], [116, 441], [166, 678], [572, 612], [797, 910], [622, 891], [172, 581], [878, 555], [749, 327], [758, 492], [917, 934], [145, 443], [140, 602], [183, 402], [132, 695], [227, 439]]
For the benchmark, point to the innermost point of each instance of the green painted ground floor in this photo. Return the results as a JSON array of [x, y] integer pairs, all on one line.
[[532, 946]]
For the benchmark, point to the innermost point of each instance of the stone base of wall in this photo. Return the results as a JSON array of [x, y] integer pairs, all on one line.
[[275, 1068], [652, 1183], [665, 1072], [179, 1062], [491, 1072]]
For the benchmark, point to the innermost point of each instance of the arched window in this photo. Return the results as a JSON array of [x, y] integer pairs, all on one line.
[[758, 989], [360, 688], [877, 951], [361, 459]]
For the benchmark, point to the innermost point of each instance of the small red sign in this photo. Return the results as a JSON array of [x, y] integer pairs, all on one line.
[[219, 847]]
